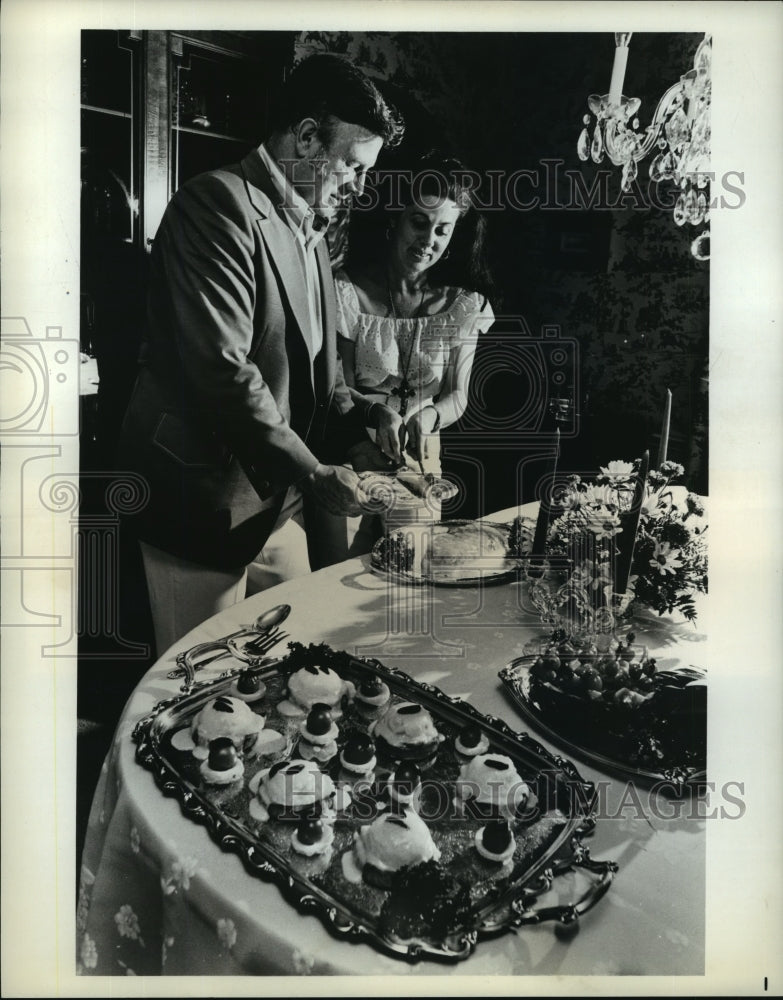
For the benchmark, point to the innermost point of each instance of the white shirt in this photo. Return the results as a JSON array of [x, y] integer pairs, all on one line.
[[308, 230]]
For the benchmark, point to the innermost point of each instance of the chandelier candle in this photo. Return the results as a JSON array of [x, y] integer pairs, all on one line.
[[663, 447], [621, 39], [544, 509], [630, 522]]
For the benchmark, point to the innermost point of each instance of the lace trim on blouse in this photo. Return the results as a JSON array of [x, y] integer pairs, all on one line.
[[383, 343]]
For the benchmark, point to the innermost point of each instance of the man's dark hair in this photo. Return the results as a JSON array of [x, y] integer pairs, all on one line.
[[327, 88]]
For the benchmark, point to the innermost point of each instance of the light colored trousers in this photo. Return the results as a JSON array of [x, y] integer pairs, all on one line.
[[183, 594]]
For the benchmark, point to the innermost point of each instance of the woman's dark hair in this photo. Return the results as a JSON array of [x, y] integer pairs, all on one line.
[[433, 174], [327, 88]]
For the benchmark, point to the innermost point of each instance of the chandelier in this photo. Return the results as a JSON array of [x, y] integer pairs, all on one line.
[[679, 132]]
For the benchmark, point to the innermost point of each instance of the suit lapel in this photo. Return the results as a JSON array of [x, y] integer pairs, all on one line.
[[280, 243], [325, 362]]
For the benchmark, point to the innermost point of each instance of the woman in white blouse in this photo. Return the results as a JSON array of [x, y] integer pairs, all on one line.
[[409, 315]]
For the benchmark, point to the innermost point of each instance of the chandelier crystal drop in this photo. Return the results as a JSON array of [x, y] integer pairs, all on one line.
[[679, 134]]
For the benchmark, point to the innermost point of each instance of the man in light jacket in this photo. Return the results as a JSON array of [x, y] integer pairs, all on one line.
[[240, 417]]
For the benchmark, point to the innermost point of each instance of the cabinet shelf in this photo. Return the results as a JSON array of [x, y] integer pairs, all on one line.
[[107, 111], [206, 133]]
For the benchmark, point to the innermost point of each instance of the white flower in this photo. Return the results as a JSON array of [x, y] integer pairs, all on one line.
[[127, 923], [617, 472], [135, 840], [603, 523], [665, 559], [88, 953], [227, 932], [602, 495], [651, 506], [303, 963]]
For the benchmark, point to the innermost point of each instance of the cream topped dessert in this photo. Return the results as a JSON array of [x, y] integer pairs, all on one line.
[[490, 786], [229, 717], [290, 788], [313, 685], [407, 730], [389, 843]]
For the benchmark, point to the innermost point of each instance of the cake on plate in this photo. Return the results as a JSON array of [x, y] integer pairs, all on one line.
[[446, 552]]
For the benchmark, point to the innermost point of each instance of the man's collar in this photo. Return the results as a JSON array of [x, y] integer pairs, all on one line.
[[290, 201]]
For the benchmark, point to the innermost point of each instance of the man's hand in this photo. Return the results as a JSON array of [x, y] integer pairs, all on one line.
[[335, 488], [368, 457]]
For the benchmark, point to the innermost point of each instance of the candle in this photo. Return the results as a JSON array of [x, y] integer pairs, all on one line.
[[630, 525], [542, 521], [618, 69], [663, 447]]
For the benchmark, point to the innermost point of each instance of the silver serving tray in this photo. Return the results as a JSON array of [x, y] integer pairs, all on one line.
[[474, 573], [671, 776], [549, 840]]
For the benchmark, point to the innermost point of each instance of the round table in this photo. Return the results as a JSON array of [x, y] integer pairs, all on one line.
[[158, 896]]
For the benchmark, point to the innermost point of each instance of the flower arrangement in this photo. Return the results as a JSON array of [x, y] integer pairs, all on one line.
[[669, 564]]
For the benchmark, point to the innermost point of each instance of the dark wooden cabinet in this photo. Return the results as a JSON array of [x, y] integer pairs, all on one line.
[[157, 107]]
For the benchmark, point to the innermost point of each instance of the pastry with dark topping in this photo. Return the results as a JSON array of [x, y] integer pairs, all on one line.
[[318, 735], [223, 766], [312, 836], [403, 785], [471, 742], [372, 692], [495, 841], [358, 755], [248, 686]]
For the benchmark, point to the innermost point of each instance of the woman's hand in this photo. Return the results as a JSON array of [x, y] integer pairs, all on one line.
[[390, 432], [419, 426]]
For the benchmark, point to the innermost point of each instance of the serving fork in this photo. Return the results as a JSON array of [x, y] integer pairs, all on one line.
[[251, 652]]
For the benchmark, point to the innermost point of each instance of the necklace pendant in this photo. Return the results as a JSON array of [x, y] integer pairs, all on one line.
[[405, 392]]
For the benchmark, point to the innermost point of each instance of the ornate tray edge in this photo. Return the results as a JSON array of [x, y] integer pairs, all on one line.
[[672, 783], [261, 861]]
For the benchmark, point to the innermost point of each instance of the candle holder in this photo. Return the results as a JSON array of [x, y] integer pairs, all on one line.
[[567, 602]]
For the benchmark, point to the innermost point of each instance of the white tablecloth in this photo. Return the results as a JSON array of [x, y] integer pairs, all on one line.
[[159, 897]]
